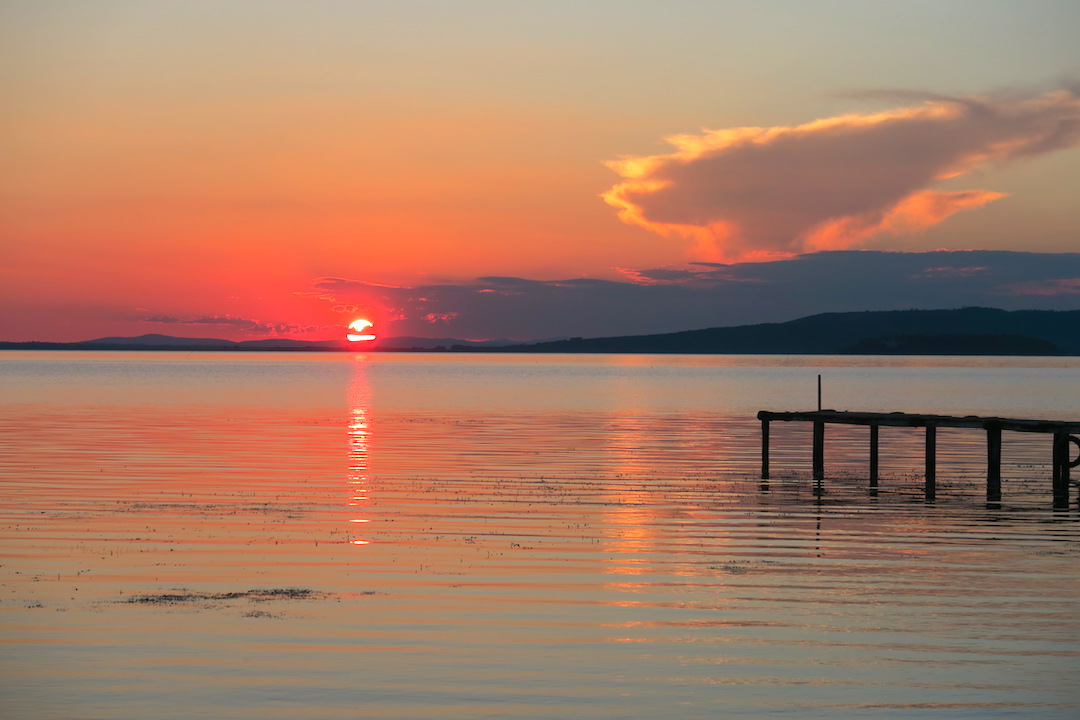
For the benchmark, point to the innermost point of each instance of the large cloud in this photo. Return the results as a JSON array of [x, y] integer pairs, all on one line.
[[712, 295], [829, 184]]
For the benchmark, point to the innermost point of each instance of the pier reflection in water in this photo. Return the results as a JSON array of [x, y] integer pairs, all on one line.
[[543, 537]]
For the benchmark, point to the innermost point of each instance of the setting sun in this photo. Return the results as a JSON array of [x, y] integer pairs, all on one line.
[[356, 331]]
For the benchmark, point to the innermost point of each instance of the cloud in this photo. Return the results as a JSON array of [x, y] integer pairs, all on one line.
[[237, 323], [711, 295], [755, 192], [949, 271], [1057, 286]]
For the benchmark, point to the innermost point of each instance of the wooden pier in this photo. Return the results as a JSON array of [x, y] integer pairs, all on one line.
[[1064, 437]]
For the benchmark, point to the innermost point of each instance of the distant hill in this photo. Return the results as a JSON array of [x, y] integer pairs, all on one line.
[[942, 332], [418, 343], [968, 331], [154, 341]]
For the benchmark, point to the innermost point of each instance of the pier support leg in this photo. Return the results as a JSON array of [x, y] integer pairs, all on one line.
[[873, 456], [819, 451], [764, 449], [1061, 470], [993, 464], [931, 462]]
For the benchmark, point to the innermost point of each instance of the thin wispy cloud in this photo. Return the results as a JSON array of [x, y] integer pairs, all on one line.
[[1057, 286], [234, 322], [760, 192]]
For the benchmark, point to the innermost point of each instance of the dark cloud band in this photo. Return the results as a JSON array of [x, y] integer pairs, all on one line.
[[712, 295]]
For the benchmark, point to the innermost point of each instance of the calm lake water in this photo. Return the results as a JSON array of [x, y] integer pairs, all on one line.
[[463, 536]]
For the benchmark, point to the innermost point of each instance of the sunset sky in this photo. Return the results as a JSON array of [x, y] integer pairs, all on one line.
[[248, 169]]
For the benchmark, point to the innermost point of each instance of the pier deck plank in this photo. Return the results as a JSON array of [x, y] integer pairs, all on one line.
[[899, 419]]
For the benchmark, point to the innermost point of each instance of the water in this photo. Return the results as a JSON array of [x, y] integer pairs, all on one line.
[[417, 536]]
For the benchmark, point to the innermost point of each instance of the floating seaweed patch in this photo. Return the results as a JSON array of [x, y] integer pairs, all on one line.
[[256, 595]]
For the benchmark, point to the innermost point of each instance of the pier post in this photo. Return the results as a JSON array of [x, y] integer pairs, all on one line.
[[764, 449], [1071, 463], [819, 450], [1061, 470], [1068, 463], [873, 456], [1055, 463], [993, 463], [931, 461]]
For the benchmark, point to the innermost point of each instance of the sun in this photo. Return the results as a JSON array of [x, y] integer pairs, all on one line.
[[356, 331]]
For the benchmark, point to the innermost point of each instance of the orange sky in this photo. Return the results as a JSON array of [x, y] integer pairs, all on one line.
[[202, 160]]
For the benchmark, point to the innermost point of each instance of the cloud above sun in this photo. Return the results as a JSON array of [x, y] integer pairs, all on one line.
[[760, 192]]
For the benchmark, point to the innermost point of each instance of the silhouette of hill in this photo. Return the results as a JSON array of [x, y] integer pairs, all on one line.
[[967, 331], [154, 341], [836, 333], [419, 343]]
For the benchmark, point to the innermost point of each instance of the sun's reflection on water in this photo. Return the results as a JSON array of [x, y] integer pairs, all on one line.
[[359, 447]]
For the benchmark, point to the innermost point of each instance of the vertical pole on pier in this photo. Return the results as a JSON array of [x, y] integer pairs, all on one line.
[[993, 463], [819, 450], [1061, 470], [873, 455], [764, 449], [931, 461], [819, 393]]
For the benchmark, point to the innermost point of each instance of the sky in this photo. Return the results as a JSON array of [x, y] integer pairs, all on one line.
[[527, 170]]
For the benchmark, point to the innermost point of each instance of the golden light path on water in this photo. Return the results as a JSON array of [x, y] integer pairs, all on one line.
[[405, 536], [359, 399]]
